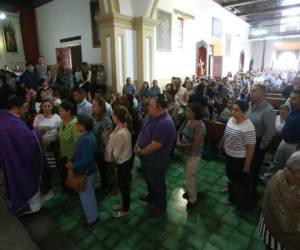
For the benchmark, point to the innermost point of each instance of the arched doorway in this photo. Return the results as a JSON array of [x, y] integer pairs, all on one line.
[[201, 58]]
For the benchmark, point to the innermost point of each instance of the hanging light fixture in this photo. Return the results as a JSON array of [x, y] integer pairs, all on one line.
[[2, 16]]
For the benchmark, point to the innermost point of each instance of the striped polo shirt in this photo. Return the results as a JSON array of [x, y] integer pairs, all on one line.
[[238, 136]]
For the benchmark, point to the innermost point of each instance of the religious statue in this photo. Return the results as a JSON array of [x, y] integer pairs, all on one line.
[[201, 67], [10, 39]]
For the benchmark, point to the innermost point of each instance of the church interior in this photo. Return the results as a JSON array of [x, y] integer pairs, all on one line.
[[149, 124]]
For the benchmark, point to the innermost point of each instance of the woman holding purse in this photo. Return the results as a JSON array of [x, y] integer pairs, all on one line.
[[118, 150], [239, 143], [83, 163]]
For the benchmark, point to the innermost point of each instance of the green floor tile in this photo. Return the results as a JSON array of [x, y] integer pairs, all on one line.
[[246, 228], [256, 244], [171, 243], [88, 242], [209, 246], [210, 225]]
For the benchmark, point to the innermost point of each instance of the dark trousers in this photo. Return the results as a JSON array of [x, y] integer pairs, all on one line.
[[62, 161], [103, 171], [258, 158], [234, 168], [124, 177], [154, 172]]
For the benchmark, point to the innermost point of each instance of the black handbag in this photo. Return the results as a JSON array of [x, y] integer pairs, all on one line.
[[241, 193]]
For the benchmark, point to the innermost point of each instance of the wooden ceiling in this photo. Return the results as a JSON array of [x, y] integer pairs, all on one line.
[[256, 11], [24, 3]]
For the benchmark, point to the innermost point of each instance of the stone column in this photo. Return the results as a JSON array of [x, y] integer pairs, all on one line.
[[113, 26], [113, 43], [145, 48]]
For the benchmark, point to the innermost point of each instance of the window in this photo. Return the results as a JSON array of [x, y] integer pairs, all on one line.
[[216, 27], [180, 32]]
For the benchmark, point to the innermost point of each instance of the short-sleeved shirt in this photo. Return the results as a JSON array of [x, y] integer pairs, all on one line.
[[100, 125], [187, 134], [85, 107], [238, 136], [129, 89], [53, 124], [67, 138], [160, 129]]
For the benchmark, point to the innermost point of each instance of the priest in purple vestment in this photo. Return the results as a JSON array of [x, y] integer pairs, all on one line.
[[26, 172]]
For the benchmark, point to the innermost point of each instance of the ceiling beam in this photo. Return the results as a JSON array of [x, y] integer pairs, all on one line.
[[241, 3], [270, 10], [266, 18]]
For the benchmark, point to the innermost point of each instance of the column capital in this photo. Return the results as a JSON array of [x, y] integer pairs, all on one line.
[[115, 20], [144, 23]]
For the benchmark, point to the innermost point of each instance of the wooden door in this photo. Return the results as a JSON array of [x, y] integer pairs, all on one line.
[[217, 66], [76, 55]]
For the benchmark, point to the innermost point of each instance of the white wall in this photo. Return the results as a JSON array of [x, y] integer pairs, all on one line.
[[131, 53], [182, 61], [257, 52], [62, 19], [133, 8]]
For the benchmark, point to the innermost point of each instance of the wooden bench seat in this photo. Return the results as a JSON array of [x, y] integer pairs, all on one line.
[[276, 102]]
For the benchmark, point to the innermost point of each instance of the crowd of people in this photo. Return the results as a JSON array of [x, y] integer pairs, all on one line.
[[69, 121]]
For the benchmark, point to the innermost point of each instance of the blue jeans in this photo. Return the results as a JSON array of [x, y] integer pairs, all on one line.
[[88, 199], [154, 172]]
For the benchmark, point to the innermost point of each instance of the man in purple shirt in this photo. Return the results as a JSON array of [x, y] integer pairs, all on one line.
[[154, 146]]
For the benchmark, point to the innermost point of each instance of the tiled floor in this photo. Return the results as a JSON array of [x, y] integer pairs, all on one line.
[[212, 224]]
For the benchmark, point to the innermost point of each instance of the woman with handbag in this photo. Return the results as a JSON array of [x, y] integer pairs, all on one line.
[[83, 163], [239, 143], [190, 140], [119, 150], [67, 136], [48, 123]]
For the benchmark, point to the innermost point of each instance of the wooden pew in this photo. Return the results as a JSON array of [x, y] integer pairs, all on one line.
[[276, 102], [214, 131], [277, 91], [274, 95]]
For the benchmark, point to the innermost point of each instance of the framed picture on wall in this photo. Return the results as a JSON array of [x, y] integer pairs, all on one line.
[[95, 11], [10, 37], [164, 30], [216, 27]]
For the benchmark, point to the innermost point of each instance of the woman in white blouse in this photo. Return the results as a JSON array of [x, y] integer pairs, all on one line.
[[48, 123], [119, 150]]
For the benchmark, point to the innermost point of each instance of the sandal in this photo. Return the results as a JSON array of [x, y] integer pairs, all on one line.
[[120, 213], [224, 190]]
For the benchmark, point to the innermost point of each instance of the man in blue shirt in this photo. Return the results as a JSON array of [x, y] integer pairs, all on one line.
[[129, 87], [290, 135], [84, 107]]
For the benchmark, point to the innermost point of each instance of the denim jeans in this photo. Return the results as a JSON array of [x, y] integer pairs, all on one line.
[[88, 199], [283, 153], [155, 172]]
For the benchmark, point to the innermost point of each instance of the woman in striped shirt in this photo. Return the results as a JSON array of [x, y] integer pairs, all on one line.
[[239, 142]]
